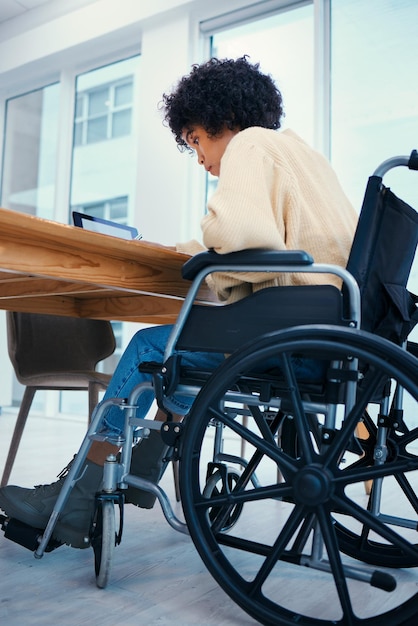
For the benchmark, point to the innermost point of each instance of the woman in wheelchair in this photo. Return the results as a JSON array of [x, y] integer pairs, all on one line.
[[274, 192]]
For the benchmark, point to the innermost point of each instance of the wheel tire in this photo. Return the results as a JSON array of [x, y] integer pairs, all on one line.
[[262, 562], [215, 487], [104, 541]]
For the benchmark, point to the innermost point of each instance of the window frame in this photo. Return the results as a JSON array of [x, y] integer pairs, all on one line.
[[112, 109], [67, 78]]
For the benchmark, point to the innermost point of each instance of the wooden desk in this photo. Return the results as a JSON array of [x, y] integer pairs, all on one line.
[[47, 267]]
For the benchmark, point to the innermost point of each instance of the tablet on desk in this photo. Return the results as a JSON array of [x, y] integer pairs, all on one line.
[[104, 227]]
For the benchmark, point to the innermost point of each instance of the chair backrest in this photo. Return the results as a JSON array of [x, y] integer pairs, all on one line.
[[40, 344], [380, 260]]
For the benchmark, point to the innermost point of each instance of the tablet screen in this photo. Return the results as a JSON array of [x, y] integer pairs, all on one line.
[[104, 227]]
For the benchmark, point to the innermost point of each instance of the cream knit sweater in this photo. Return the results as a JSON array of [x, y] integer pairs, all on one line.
[[275, 192]]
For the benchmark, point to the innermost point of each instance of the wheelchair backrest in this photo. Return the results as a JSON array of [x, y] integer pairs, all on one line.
[[380, 260]]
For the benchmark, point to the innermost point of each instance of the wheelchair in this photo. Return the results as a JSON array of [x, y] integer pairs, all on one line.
[[273, 465]]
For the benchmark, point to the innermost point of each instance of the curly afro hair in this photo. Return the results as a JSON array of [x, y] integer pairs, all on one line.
[[219, 93]]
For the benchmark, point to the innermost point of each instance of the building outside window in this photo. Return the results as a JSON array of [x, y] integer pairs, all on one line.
[[115, 209], [104, 112]]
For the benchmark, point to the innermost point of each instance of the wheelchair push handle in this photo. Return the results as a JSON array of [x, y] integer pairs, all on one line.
[[411, 162]]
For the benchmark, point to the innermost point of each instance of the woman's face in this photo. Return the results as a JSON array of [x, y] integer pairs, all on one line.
[[209, 149]]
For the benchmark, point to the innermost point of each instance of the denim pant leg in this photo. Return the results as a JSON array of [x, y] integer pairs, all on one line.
[[148, 345]]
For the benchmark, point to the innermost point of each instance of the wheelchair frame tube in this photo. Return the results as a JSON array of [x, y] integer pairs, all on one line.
[[391, 163], [317, 268]]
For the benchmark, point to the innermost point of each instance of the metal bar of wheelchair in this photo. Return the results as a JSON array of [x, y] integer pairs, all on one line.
[[410, 161], [74, 470], [318, 268], [132, 424], [93, 433], [303, 266]]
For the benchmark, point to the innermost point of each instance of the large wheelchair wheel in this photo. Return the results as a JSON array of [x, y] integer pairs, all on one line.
[[384, 435], [282, 561]]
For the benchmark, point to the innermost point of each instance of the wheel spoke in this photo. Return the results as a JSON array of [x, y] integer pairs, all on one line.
[[333, 552], [371, 522], [278, 549], [298, 412]]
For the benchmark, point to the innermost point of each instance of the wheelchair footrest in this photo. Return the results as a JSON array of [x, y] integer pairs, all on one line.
[[25, 535]]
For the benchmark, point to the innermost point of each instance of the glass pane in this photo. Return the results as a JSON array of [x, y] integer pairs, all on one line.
[[78, 133], [103, 166], [283, 45], [30, 152], [117, 209], [96, 129], [121, 123], [104, 171], [79, 106], [123, 94], [374, 90], [97, 210], [98, 101]]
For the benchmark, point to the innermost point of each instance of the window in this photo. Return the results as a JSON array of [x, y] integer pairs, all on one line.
[[30, 152], [104, 112], [114, 209], [374, 108], [374, 112], [104, 146], [103, 162], [373, 83], [283, 45]]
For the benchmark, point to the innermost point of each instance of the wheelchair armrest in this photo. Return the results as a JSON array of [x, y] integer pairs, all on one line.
[[245, 257]]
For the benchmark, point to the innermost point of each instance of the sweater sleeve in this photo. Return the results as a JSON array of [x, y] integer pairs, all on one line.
[[191, 247]]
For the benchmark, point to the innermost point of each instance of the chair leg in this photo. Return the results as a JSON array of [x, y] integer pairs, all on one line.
[[17, 433], [94, 389]]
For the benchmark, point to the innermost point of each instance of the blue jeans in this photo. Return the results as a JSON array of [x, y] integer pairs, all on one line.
[[149, 345]]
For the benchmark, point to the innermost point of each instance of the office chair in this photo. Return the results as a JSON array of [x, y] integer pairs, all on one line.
[[57, 353]]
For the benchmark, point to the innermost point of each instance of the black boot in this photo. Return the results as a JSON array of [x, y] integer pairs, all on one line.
[[34, 506], [147, 462]]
